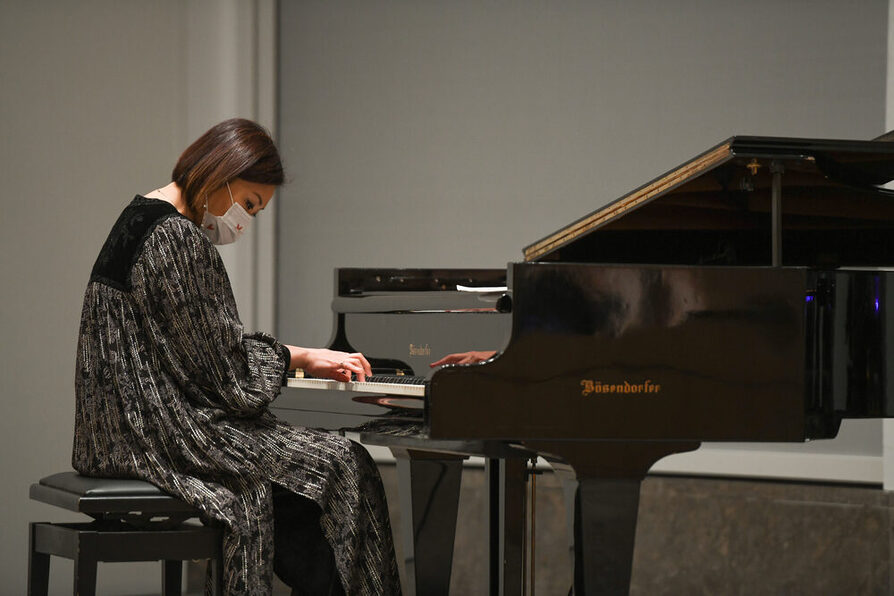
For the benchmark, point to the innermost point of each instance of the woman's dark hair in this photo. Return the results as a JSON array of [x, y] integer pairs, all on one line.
[[235, 148]]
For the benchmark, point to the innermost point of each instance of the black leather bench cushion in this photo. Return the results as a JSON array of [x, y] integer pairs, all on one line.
[[89, 495], [100, 487]]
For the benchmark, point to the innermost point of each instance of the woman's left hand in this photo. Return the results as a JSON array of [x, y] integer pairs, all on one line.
[[330, 364]]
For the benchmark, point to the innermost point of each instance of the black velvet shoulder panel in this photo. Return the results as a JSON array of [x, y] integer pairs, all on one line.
[[123, 245]]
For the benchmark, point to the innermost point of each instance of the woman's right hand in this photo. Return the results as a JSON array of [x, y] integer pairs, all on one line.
[[463, 358], [330, 364]]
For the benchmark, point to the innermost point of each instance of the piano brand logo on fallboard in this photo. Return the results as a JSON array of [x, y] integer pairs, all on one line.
[[420, 350], [589, 386]]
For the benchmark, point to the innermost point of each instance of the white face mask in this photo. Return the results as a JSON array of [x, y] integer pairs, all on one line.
[[226, 228]]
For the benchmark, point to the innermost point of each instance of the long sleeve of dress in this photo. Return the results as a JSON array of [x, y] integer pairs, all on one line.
[[183, 291]]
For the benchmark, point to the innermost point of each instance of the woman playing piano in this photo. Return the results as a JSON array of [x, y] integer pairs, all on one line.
[[171, 390]]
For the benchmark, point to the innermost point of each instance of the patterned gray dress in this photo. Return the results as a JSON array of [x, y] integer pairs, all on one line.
[[172, 391]]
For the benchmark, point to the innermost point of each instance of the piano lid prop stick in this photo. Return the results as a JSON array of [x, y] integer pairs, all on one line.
[[776, 169]]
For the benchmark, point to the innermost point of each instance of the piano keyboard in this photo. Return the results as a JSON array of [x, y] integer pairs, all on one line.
[[390, 385]]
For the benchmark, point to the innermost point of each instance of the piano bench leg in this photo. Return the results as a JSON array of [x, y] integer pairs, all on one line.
[[38, 567]]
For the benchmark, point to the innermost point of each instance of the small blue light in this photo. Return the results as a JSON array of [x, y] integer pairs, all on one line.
[[808, 298]]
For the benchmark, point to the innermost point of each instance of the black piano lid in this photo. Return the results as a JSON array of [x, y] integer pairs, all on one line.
[[715, 209]]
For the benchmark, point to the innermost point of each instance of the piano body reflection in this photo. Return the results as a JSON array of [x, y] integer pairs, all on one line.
[[743, 296]]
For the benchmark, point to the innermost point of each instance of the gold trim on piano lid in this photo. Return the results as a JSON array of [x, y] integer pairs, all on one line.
[[629, 202]]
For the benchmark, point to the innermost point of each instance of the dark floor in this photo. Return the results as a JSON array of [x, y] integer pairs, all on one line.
[[704, 536]]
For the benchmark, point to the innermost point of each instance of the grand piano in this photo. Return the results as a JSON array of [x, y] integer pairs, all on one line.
[[742, 296]]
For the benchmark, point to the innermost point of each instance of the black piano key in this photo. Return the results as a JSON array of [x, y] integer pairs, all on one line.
[[397, 379]]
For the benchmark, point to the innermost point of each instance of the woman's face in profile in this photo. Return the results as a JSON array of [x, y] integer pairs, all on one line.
[[251, 195]]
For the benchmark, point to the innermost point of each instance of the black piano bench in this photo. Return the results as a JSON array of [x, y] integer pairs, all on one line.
[[132, 521]]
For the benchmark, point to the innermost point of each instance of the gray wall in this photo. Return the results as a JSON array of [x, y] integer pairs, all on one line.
[[90, 113], [455, 133], [97, 100]]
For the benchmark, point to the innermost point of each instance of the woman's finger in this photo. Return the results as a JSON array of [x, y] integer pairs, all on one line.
[[351, 365], [367, 368], [463, 358], [448, 359], [358, 370]]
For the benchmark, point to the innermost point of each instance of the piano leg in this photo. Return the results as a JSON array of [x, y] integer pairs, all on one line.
[[604, 531], [429, 493], [506, 524], [609, 475]]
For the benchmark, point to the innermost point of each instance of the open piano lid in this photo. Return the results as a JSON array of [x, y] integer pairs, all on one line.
[[715, 209]]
